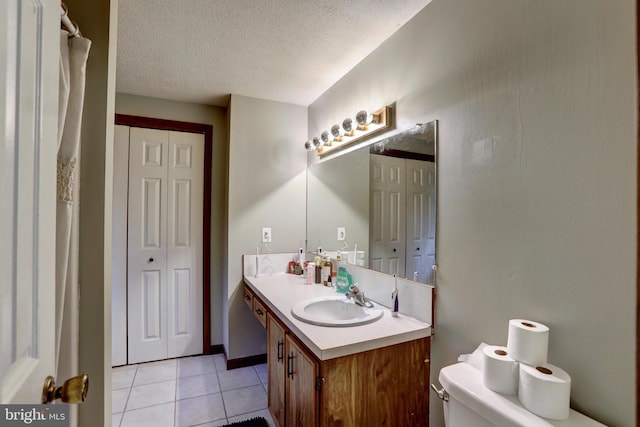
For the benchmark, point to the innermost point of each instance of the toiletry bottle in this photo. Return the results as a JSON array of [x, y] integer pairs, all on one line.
[[318, 264], [329, 282], [342, 281], [311, 272], [326, 270], [394, 297], [291, 269]]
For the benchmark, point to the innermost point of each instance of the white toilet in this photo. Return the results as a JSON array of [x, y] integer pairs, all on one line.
[[467, 402]]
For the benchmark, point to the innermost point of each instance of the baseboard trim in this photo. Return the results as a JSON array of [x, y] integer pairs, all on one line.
[[216, 349], [243, 362]]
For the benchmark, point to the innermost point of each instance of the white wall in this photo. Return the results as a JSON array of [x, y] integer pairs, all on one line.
[[267, 188], [209, 115], [338, 196], [537, 176]]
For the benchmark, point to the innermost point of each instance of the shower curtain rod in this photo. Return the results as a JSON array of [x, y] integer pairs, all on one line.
[[73, 29]]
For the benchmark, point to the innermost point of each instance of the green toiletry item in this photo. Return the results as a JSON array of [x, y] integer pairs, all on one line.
[[342, 281]]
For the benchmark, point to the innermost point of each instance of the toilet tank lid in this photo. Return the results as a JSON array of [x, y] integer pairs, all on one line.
[[464, 383]]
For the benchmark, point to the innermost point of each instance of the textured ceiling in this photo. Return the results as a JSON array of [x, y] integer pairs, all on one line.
[[282, 50]]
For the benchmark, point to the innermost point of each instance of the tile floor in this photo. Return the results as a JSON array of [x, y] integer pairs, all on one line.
[[192, 391]]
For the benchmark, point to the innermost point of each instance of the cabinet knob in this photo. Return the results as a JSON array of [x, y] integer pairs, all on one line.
[[394, 249], [150, 259]]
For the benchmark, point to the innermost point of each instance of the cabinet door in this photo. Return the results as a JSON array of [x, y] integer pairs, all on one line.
[[302, 372], [275, 363]]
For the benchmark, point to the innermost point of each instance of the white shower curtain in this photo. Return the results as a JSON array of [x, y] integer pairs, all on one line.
[[73, 59]]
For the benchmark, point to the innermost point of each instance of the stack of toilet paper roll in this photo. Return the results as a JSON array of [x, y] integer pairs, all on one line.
[[521, 369]]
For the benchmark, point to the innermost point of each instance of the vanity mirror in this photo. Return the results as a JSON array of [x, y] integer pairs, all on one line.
[[384, 198]]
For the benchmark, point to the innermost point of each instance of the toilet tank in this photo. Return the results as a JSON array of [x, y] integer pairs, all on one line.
[[472, 404]]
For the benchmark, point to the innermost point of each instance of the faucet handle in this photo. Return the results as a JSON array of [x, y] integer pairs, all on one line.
[[354, 288]]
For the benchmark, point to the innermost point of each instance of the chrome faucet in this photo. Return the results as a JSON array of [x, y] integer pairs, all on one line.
[[358, 296]]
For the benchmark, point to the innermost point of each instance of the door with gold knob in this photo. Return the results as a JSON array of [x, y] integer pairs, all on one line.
[[28, 129]]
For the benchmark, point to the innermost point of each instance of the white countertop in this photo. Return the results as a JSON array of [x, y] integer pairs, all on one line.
[[281, 291]]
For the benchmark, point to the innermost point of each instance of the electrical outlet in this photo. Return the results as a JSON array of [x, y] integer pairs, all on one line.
[[266, 234], [342, 234]]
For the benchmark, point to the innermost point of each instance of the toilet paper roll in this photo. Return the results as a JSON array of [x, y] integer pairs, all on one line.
[[528, 341], [499, 370], [545, 390]]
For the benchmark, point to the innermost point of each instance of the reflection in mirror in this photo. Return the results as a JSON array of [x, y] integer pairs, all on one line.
[[384, 195]]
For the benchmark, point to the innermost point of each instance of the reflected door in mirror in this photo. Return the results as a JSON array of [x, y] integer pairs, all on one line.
[[402, 217]]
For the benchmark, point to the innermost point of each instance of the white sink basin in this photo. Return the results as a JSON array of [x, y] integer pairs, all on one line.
[[335, 311]]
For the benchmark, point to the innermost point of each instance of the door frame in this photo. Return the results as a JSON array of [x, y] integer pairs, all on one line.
[[207, 131]]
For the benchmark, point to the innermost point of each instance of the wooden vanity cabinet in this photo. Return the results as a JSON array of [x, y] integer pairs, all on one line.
[[386, 386]]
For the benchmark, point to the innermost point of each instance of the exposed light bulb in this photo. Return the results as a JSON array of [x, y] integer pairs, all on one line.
[[316, 142], [326, 138], [308, 146], [363, 118], [349, 125], [337, 132]]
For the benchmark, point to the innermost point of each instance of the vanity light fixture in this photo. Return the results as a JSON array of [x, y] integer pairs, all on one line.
[[354, 129]]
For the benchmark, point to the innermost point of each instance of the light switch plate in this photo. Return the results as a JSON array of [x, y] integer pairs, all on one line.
[[266, 234], [342, 233]]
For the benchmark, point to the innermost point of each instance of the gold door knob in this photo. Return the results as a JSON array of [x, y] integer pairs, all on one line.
[[74, 390]]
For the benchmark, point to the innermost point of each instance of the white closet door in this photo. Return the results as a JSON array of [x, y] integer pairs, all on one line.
[[420, 219], [147, 246], [184, 243], [388, 213]]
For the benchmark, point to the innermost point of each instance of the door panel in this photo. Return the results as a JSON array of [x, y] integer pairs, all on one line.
[[151, 207], [147, 255], [417, 220], [152, 305], [28, 127], [184, 244], [388, 212], [181, 299]]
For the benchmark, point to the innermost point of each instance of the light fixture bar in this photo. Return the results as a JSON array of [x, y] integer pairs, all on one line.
[[380, 122]]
